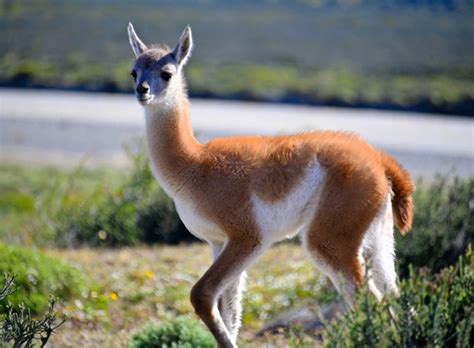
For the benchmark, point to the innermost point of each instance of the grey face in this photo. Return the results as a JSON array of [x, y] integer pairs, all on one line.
[[157, 68], [152, 73]]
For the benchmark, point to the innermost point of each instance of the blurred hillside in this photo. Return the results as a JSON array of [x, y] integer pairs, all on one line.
[[407, 54]]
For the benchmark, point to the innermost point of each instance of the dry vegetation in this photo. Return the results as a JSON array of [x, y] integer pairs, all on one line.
[[132, 286]]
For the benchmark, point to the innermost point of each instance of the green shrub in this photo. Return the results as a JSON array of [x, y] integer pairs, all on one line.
[[103, 217], [433, 311], [178, 333], [160, 223], [38, 276], [443, 225], [136, 211], [19, 328]]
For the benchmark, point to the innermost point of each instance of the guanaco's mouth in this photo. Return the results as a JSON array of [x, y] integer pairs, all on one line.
[[144, 99]]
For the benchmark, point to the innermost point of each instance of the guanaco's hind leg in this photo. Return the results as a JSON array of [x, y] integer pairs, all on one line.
[[379, 250], [228, 267], [334, 238], [346, 272]]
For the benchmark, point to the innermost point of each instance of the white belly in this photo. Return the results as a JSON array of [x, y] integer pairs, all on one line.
[[197, 224], [285, 218]]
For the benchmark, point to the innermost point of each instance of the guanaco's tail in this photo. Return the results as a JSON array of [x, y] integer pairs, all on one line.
[[403, 188]]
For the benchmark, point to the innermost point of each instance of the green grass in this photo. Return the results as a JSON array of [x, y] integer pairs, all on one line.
[[136, 285], [27, 194]]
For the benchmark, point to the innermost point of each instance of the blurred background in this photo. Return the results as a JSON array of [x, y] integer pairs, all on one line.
[[76, 191], [414, 55]]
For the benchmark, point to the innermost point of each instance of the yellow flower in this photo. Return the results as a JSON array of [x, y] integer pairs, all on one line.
[[149, 274], [113, 296], [69, 308]]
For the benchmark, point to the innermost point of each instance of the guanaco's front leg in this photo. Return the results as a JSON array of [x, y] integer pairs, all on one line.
[[236, 256], [230, 301]]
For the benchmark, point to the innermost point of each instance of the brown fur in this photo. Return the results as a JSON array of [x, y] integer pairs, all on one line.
[[353, 193], [403, 189], [223, 174]]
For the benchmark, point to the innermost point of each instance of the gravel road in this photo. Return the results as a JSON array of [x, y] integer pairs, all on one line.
[[63, 128]]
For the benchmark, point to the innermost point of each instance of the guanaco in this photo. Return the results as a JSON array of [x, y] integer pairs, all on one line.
[[242, 194]]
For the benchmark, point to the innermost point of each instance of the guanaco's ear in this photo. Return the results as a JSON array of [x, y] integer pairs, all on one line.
[[182, 51], [137, 45]]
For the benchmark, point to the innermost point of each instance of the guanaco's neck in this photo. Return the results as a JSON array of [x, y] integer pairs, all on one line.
[[172, 147]]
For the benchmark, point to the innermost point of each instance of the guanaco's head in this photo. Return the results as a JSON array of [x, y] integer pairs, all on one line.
[[157, 69]]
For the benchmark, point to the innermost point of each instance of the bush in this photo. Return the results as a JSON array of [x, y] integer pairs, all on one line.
[[38, 276], [178, 333], [104, 217], [134, 212], [160, 223], [434, 311], [443, 225], [20, 328]]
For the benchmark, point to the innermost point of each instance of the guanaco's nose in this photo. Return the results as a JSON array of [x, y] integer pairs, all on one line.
[[143, 88]]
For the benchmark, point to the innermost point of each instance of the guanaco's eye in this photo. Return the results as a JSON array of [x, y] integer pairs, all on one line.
[[134, 74], [165, 76]]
